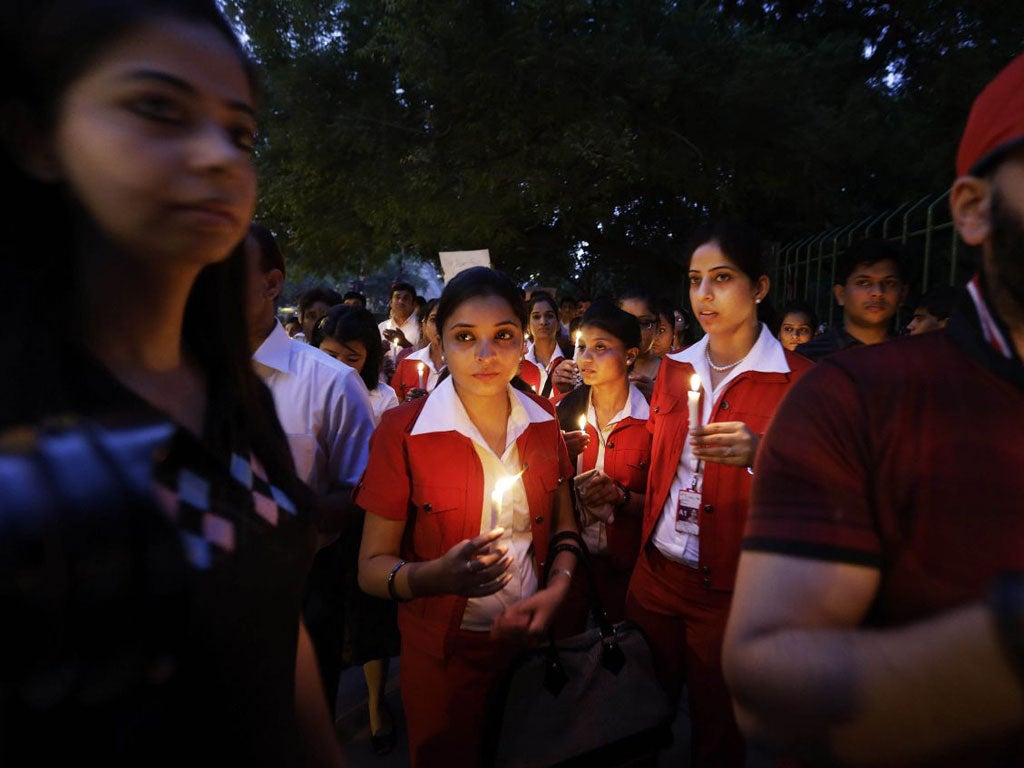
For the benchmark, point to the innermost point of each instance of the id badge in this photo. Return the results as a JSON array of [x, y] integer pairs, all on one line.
[[686, 512]]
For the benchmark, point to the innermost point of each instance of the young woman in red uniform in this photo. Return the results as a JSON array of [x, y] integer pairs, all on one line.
[[545, 351], [616, 453], [699, 484], [464, 568]]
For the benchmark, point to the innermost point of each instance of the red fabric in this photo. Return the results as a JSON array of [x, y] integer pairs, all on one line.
[[996, 119], [435, 482], [445, 700], [627, 459], [406, 377], [530, 373], [904, 456], [752, 397], [685, 624]]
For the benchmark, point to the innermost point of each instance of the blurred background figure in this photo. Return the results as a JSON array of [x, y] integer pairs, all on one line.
[[932, 310], [797, 326]]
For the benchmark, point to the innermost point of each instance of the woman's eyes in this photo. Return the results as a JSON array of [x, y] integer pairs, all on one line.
[[505, 335], [463, 336], [158, 108]]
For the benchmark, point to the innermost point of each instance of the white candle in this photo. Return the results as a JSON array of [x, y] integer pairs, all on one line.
[[420, 368], [693, 400], [579, 459], [497, 496]]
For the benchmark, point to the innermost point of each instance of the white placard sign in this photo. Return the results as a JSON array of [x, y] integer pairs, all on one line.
[[453, 262]]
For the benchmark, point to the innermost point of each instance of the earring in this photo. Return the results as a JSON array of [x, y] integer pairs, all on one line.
[[757, 301]]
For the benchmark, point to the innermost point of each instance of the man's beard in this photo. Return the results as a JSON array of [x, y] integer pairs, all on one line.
[[1007, 251]]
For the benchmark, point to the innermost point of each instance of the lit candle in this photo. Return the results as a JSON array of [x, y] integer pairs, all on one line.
[[576, 355], [579, 459], [420, 370], [503, 484], [693, 400]]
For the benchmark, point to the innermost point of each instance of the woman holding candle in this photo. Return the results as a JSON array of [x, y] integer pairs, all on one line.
[[417, 372], [699, 483], [468, 591], [614, 458], [544, 351]]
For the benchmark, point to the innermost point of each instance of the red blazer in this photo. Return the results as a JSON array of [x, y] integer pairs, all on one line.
[[406, 377], [530, 373], [627, 458], [752, 397], [435, 482]]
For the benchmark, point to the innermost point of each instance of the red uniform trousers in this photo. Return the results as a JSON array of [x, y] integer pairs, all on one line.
[[685, 623], [445, 700], [611, 582]]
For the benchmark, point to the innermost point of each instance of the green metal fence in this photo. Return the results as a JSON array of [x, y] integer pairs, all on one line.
[[805, 268]]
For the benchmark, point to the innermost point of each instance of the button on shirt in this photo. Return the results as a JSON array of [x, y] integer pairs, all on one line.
[[766, 356], [595, 534], [444, 411], [322, 405]]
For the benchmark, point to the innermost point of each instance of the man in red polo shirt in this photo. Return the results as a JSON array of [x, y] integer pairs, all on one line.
[[879, 604]]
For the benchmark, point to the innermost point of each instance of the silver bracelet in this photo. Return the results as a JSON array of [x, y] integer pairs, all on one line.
[[566, 571]]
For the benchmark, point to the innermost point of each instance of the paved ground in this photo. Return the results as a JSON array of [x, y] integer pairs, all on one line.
[[353, 726]]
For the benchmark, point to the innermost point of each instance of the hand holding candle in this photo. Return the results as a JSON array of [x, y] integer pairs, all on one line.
[[420, 371]]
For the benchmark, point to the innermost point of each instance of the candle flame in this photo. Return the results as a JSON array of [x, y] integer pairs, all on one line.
[[503, 485], [419, 368], [695, 383], [578, 335], [583, 423]]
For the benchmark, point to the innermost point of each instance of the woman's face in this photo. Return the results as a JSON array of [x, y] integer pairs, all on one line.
[[604, 359], [662, 341], [430, 327], [722, 296], [795, 330], [351, 353], [483, 345], [155, 141], [639, 309], [543, 321]]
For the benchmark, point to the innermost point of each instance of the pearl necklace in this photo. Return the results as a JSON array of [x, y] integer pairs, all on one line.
[[720, 368]]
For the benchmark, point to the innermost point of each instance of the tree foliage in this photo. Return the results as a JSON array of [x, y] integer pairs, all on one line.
[[588, 137]]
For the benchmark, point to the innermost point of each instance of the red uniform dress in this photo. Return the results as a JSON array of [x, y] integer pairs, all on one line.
[[407, 376], [425, 472], [683, 603], [905, 457], [625, 452], [545, 372]]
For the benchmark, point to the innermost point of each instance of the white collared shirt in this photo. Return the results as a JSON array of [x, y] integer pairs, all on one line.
[[766, 356], [382, 397], [322, 405], [411, 329], [444, 412], [636, 406], [423, 356]]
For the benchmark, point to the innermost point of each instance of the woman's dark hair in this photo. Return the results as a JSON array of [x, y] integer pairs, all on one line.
[[741, 243], [536, 298], [478, 282], [801, 307], [618, 322], [345, 323]]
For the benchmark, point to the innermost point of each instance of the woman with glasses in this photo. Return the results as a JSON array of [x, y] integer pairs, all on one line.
[[641, 305], [699, 484], [417, 372]]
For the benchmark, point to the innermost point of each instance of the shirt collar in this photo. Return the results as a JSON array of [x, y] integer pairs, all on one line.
[[275, 351], [990, 326], [422, 355], [766, 356], [444, 412], [636, 407]]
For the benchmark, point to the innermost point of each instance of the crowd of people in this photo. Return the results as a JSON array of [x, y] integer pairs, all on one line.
[[816, 528]]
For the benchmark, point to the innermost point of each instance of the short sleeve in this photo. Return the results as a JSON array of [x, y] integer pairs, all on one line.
[[385, 489], [813, 473]]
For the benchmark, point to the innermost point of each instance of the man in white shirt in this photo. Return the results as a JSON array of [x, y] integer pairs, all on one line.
[[402, 328], [325, 411]]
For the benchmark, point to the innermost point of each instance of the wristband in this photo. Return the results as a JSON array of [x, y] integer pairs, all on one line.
[[566, 571], [391, 584], [1006, 600]]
